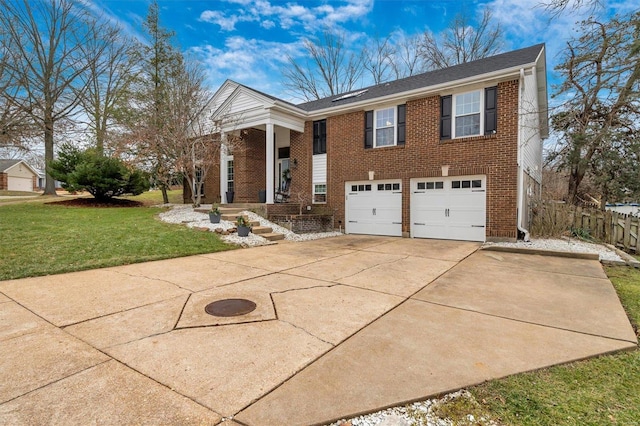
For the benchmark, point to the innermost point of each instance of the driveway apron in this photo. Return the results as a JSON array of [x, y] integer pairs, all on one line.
[[342, 326]]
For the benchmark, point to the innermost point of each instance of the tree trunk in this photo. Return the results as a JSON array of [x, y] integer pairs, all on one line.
[[165, 195], [575, 178], [50, 183]]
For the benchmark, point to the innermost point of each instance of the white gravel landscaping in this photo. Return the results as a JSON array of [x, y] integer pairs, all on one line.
[[185, 214], [565, 245]]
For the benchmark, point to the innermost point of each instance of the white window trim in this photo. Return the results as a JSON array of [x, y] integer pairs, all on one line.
[[454, 116], [313, 198], [395, 126]]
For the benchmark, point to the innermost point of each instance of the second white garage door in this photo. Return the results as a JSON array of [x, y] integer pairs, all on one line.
[[374, 208], [452, 208]]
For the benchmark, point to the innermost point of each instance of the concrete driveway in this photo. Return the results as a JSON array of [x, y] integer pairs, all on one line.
[[342, 326]]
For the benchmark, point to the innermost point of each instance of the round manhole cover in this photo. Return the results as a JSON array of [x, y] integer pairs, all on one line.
[[230, 307]]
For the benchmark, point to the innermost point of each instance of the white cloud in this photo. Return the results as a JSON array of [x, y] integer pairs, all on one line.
[[255, 63], [289, 15]]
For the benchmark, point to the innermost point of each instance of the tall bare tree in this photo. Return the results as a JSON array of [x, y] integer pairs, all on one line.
[[107, 81], [407, 59], [462, 41], [328, 69], [601, 71], [377, 59], [47, 59]]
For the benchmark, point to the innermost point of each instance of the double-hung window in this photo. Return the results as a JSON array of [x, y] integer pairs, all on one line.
[[385, 127], [468, 114]]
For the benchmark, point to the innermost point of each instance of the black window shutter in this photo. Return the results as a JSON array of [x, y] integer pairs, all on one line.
[[320, 137], [368, 129], [323, 137], [490, 110], [402, 118], [445, 117]]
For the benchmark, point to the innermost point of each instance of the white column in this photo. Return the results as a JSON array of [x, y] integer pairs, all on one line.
[[270, 163], [223, 170]]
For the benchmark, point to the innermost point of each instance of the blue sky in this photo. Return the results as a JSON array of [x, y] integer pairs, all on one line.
[[249, 40]]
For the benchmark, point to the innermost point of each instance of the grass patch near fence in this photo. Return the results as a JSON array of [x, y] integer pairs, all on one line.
[[598, 391], [42, 239]]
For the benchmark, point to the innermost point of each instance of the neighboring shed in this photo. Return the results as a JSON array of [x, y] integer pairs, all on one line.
[[16, 175]]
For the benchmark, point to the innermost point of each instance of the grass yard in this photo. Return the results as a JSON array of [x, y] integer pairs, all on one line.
[[599, 391], [41, 239]]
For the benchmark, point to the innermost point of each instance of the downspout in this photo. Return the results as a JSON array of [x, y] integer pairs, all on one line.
[[520, 168]]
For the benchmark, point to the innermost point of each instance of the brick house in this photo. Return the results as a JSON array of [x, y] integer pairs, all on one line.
[[17, 175], [451, 154]]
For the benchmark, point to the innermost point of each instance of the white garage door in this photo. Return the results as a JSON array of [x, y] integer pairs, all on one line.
[[451, 208], [374, 207], [19, 184]]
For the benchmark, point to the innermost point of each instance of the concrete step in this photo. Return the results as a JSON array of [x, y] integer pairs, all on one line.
[[273, 236], [230, 210], [261, 230]]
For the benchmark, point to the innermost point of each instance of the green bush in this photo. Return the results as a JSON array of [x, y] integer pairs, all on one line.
[[103, 177]]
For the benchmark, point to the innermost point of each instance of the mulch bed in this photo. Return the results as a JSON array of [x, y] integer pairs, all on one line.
[[92, 202]]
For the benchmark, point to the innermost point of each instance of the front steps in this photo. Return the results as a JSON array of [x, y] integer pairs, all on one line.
[[232, 213]]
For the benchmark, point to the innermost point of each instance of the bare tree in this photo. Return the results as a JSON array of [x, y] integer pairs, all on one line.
[[377, 59], [329, 68], [462, 42], [407, 59], [601, 71], [47, 61], [557, 7], [107, 80]]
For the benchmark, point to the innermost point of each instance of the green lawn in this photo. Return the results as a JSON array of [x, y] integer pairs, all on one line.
[[598, 391], [41, 239]]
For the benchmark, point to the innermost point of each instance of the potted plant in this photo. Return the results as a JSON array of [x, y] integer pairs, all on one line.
[[214, 214], [242, 224]]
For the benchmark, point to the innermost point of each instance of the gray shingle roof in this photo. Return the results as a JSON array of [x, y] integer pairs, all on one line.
[[5, 164], [507, 60]]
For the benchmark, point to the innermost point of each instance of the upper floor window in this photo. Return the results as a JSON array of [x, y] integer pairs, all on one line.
[[467, 110], [385, 127], [468, 114], [320, 137]]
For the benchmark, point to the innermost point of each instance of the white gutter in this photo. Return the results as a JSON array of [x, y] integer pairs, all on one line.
[[520, 168]]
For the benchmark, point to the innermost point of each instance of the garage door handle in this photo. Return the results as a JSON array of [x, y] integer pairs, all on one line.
[[419, 192], [477, 226], [353, 221], [416, 223], [396, 223]]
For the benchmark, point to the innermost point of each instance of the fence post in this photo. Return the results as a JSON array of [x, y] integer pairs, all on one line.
[[627, 232]]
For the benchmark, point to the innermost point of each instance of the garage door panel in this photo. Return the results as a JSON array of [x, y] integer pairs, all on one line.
[[372, 211], [19, 184], [457, 210]]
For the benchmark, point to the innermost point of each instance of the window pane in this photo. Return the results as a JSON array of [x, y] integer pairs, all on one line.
[[439, 185], [468, 125], [468, 103], [387, 187], [455, 184], [385, 118], [476, 184], [429, 185], [320, 198], [380, 187], [421, 185], [384, 137], [367, 188], [360, 187], [466, 184], [354, 188], [396, 186]]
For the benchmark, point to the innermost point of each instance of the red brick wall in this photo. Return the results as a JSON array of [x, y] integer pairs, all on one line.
[[250, 167], [4, 181], [211, 186], [422, 156]]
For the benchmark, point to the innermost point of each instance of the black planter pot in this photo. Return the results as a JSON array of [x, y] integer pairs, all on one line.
[[243, 231], [230, 195], [214, 218]]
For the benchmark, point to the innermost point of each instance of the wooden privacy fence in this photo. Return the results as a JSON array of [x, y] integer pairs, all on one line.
[[618, 229]]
